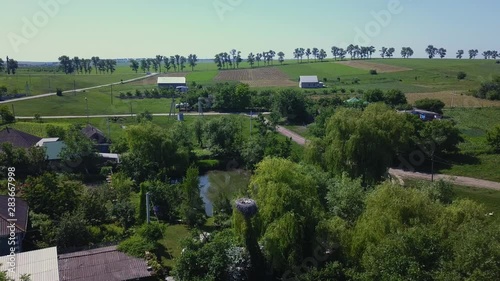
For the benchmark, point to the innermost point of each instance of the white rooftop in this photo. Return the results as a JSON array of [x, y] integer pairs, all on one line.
[[309, 79], [171, 80], [110, 156], [45, 140], [41, 264]]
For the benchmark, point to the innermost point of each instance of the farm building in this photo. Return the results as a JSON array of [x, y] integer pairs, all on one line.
[[310, 82], [424, 114], [171, 82]]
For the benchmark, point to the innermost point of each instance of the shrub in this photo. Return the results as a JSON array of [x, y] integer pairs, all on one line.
[[342, 90], [122, 95], [129, 94], [137, 246], [151, 231], [355, 80], [498, 61], [352, 91], [493, 138], [138, 93], [59, 92], [434, 105], [461, 75], [394, 97], [325, 79], [373, 72]]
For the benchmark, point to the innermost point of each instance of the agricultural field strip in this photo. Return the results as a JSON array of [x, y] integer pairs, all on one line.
[[79, 90]]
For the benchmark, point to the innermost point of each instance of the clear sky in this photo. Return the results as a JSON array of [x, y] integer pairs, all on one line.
[[34, 31]]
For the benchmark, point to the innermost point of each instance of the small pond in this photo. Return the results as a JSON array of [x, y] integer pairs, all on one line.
[[217, 183]]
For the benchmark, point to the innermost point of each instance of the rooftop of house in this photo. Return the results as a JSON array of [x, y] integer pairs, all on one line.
[[92, 132], [18, 138], [309, 79], [40, 264], [102, 264], [171, 80], [21, 215]]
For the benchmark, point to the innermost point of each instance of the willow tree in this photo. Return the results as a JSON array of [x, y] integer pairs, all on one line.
[[289, 209]]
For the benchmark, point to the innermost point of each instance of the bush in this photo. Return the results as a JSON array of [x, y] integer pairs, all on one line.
[[461, 75], [433, 105], [498, 61], [138, 93], [137, 246], [493, 138], [373, 72], [342, 90], [394, 98], [355, 80], [122, 95], [152, 232], [59, 92]]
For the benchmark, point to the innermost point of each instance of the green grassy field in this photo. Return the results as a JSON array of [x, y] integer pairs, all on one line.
[[117, 129], [46, 82], [425, 75]]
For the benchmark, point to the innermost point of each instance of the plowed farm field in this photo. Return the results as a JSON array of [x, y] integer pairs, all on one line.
[[258, 77]]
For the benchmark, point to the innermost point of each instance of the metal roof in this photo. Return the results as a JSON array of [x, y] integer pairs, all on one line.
[[103, 264], [171, 80], [41, 264], [309, 79], [18, 138], [21, 215]]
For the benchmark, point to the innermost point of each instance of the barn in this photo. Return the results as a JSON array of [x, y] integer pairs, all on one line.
[[310, 82], [171, 82]]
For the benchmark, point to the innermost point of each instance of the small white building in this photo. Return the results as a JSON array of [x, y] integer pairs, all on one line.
[[171, 82], [309, 82]]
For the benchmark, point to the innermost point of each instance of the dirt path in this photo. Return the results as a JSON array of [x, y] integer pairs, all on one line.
[[289, 134], [463, 181], [400, 174]]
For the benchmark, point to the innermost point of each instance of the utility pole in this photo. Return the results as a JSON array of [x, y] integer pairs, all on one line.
[[109, 132], [147, 208], [432, 167], [87, 103], [251, 116]]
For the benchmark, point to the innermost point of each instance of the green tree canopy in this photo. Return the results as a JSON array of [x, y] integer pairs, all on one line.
[[363, 143]]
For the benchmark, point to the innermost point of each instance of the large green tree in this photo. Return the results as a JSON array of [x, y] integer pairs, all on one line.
[[289, 209], [363, 143], [153, 154]]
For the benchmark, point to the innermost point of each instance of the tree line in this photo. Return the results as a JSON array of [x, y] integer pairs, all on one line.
[[77, 65], [10, 66], [176, 62]]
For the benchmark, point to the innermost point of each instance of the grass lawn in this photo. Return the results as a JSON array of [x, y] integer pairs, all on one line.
[[171, 241]]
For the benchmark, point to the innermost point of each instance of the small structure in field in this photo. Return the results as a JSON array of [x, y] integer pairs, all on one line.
[[306, 82], [171, 82], [424, 115]]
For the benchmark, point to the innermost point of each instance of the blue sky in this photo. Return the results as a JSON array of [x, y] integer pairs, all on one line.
[[134, 28]]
